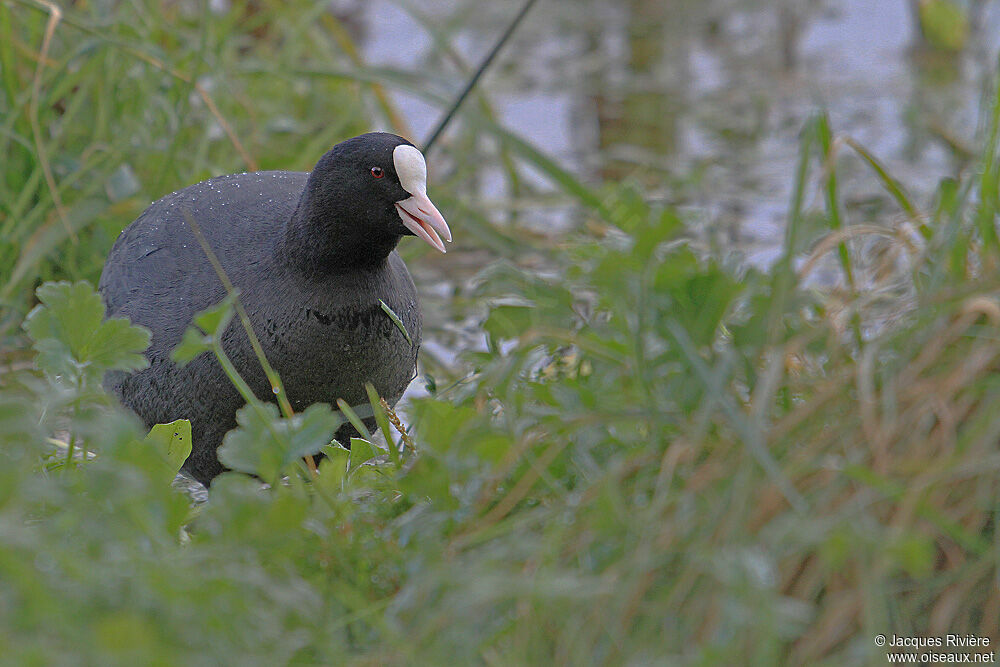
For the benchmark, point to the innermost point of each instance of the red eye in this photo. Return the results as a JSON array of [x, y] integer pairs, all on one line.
[[377, 172]]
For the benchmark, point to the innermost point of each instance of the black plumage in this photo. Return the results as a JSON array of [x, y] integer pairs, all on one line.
[[311, 255]]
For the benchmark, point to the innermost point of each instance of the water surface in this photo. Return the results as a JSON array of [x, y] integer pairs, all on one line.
[[698, 103]]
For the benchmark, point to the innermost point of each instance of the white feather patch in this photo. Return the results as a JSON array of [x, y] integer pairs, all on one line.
[[410, 168]]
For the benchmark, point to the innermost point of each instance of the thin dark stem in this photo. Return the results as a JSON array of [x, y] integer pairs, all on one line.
[[241, 386], [241, 313], [475, 77]]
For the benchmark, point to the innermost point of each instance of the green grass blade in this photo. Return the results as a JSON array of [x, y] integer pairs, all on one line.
[[395, 320], [352, 416]]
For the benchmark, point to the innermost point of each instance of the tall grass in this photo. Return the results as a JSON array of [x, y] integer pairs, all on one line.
[[656, 459], [132, 100]]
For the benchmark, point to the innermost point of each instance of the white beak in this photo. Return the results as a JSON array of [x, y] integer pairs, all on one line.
[[421, 217]]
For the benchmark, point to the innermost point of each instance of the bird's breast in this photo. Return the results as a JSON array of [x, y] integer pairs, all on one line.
[[327, 344]]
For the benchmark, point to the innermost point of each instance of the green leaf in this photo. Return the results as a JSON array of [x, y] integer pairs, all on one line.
[[192, 344], [118, 344], [429, 479], [173, 444], [944, 23], [700, 299], [492, 447], [213, 321], [72, 337], [441, 423], [361, 452], [68, 312], [311, 430], [628, 210], [206, 326], [333, 467], [267, 445], [253, 447], [55, 358], [508, 322], [656, 231]]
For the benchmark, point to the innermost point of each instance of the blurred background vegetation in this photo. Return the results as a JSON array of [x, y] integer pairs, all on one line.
[[723, 392]]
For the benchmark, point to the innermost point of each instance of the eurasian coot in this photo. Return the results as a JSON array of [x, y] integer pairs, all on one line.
[[311, 255]]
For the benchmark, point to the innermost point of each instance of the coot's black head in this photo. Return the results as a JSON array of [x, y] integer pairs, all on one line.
[[364, 194]]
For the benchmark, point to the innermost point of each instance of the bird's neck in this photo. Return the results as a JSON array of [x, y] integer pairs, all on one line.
[[318, 241]]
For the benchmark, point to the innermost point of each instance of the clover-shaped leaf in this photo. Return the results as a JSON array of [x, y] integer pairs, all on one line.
[[206, 327], [73, 339], [265, 444]]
